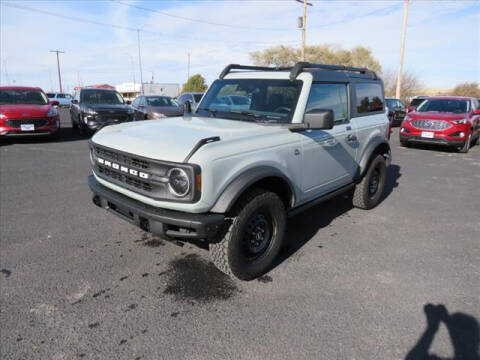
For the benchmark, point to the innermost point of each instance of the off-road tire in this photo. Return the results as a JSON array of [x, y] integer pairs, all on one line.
[[362, 198], [466, 147], [226, 250]]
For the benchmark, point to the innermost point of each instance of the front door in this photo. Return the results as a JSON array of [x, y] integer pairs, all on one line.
[[329, 155]]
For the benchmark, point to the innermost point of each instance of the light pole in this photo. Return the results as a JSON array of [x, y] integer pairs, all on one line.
[[140, 61], [58, 67], [303, 23], [398, 92]]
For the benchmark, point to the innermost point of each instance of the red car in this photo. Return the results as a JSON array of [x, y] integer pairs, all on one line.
[[26, 111], [443, 120]]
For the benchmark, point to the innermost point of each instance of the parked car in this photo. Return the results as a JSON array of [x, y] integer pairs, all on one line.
[[94, 108], [237, 102], [64, 100], [416, 100], [192, 97], [444, 120], [396, 110], [230, 177], [155, 107], [26, 111]]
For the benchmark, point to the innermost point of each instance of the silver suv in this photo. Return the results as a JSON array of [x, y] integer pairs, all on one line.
[[230, 174]]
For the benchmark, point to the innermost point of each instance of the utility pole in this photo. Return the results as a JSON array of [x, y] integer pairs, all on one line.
[[188, 67], [398, 92], [58, 67], [133, 72], [303, 25], [140, 61]]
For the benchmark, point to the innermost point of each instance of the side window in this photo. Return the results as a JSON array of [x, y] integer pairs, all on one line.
[[329, 97], [181, 99], [369, 97], [143, 101], [135, 102], [474, 104]]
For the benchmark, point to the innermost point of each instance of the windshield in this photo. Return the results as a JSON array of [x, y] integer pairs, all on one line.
[[159, 101], [391, 103], [416, 102], [197, 97], [101, 97], [28, 97], [445, 105], [262, 100]]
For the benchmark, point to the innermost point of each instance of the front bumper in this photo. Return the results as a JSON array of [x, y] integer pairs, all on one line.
[[46, 130], [434, 141], [162, 222]]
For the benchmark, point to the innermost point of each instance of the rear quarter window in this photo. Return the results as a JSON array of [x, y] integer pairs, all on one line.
[[369, 97]]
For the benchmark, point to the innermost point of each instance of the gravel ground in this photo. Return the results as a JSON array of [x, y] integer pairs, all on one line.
[[78, 283]]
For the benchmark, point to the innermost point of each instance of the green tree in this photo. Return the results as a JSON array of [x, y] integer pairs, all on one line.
[[467, 89], [325, 54], [195, 83]]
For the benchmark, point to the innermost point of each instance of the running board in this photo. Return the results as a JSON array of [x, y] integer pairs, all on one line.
[[301, 208]]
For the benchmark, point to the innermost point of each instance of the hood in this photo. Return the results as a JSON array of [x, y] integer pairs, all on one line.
[[24, 111], [167, 110], [433, 115], [173, 138], [106, 106]]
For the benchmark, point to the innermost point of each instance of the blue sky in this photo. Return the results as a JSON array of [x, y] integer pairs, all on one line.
[[443, 38]]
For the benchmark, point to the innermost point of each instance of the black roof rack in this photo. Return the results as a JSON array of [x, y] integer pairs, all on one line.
[[230, 67], [297, 69]]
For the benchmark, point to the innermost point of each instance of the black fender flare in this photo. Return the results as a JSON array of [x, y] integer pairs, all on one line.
[[242, 182], [372, 148]]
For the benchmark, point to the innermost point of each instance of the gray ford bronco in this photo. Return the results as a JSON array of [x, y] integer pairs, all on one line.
[[263, 144]]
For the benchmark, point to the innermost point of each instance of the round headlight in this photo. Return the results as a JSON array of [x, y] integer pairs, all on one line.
[[178, 182]]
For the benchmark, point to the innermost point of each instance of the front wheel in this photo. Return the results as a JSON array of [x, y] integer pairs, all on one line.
[[464, 149], [369, 191], [253, 237]]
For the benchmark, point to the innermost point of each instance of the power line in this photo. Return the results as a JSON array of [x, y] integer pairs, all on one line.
[[121, 27], [196, 20]]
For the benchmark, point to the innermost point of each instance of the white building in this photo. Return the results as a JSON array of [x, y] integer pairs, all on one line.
[[130, 90]]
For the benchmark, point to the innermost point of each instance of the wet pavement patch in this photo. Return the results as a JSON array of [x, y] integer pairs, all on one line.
[[6, 272], [265, 279], [192, 278]]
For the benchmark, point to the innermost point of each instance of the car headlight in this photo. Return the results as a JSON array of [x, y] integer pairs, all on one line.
[[178, 182], [52, 112], [158, 115], [461, 121], [2, 116], [89, 111]]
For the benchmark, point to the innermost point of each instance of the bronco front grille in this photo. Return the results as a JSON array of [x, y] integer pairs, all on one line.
[[136, 183], [15, 123], [431, 124], [122, 158]]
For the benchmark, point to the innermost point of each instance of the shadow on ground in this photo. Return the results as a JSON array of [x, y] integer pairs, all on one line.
[[462, 328]]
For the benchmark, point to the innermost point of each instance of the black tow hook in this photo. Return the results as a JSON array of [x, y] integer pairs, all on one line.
[[96, 200]]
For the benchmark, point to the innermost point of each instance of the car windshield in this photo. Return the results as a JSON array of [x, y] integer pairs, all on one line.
[[416, 102], [160, 101], [260, 100], [101, 97], [444, 105], [28, 97], [197, 97], [391, 103]]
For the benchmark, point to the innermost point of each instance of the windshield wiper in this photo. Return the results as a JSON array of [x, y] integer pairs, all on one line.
[[247, 113], [211, 111]]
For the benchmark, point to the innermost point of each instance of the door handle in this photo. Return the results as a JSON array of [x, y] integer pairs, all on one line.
[[351, 138]]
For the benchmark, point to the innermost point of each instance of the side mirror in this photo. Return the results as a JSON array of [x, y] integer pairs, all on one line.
[[54, 102], [318, 119], [128, 102], [74, 101], [187, 107]]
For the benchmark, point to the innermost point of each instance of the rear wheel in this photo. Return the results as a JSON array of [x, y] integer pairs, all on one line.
[[369, 191], [252, 238]]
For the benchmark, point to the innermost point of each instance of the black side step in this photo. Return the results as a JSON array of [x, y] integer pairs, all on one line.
[[301, 208]]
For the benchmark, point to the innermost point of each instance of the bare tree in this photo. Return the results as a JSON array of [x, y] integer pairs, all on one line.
[[410, 84], [467, 89]]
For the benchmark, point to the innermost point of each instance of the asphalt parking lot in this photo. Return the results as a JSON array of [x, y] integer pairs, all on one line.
[[79, 283]]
